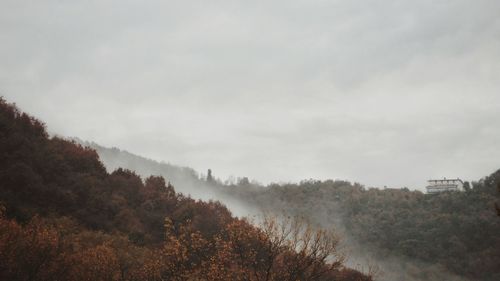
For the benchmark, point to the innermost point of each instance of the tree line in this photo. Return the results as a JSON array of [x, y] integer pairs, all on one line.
[[64, 217], [454, 231]]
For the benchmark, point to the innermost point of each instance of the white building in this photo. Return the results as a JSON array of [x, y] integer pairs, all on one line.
[[436, 186]]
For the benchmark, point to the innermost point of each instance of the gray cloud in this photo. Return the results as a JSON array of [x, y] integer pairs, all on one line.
[[381, 92]]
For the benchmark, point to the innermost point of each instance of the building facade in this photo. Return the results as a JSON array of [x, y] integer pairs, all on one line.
[[441, 185]]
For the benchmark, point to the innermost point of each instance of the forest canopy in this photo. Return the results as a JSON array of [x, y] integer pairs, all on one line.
[[64, 217]]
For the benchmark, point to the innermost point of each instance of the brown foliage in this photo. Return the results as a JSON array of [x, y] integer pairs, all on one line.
[[68, 219]]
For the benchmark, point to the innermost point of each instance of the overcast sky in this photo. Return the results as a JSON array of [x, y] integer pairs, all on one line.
[[385, 93]]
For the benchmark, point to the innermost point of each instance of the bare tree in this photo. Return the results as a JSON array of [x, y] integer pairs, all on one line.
[[300, 251]]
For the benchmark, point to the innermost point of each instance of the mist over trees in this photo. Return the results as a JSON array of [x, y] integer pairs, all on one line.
[[408, 234], [454, 231], [64, 217], [63, 213]]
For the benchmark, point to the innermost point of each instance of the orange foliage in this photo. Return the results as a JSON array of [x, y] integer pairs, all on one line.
[[81, 223]]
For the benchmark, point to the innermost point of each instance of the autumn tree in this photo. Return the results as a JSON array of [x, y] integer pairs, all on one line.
[[67, 218], [307, 253], [284, 248]]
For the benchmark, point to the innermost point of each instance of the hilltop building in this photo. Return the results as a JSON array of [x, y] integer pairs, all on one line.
[[436, 186]]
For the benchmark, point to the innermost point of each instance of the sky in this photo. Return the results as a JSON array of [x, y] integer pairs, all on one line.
[[384, 93]]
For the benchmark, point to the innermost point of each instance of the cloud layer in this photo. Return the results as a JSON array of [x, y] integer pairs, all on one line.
[[380, 92]]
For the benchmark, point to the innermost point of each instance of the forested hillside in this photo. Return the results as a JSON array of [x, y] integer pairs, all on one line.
[[454, 231], [408, 234], [64, 217], [186, 180]]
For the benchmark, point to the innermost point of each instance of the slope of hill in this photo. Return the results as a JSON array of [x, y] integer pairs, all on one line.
[[456, 232], [185, 179], [411, 235], [64, 217]]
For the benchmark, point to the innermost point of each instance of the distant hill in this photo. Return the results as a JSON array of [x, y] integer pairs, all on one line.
[[185, 179], [409, 235], [114, 158]]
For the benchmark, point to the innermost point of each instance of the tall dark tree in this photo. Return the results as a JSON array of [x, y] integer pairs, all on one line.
[[210, 178]]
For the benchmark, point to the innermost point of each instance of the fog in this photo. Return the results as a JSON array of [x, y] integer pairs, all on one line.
[[191, 183], [387, 93], [369, 260], [184, 179]]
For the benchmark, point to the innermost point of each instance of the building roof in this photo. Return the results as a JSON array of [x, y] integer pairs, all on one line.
[[445, 179]]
